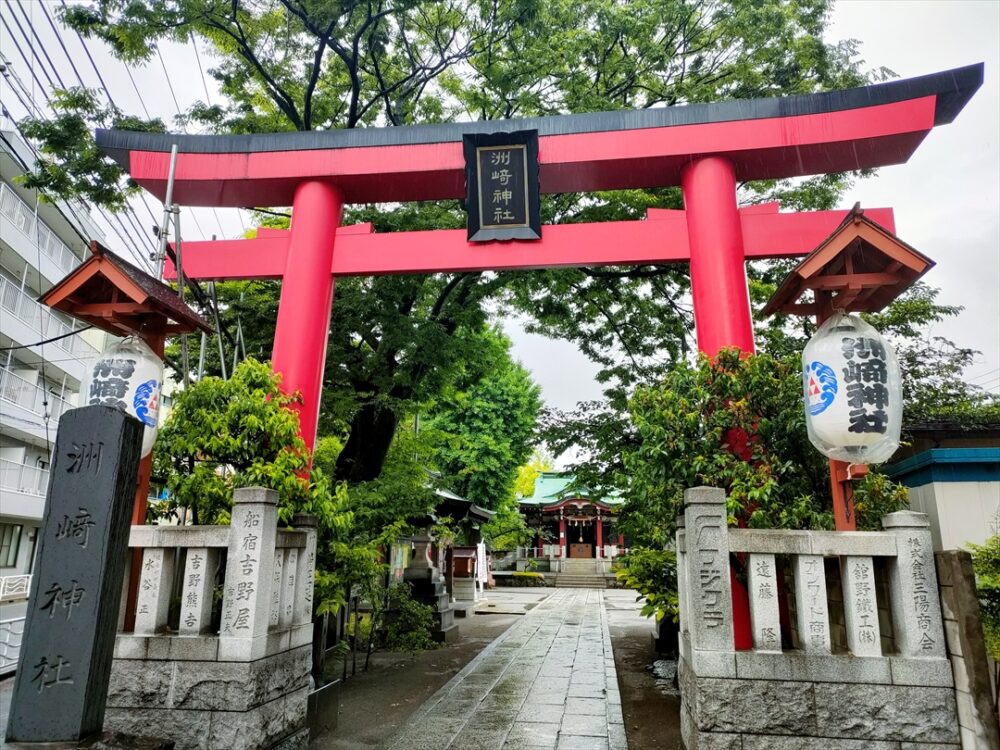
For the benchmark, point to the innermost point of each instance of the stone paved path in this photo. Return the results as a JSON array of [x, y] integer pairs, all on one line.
[[548, 682]]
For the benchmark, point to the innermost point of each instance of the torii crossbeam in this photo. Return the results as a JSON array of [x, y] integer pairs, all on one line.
[[703, 148]]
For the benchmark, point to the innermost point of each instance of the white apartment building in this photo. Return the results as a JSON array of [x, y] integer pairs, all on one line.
[[40, 243]]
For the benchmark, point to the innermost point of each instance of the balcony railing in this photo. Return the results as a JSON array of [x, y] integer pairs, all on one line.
[[13, 588], [39, 318], [31, 480], [49, 244], [34, 398]]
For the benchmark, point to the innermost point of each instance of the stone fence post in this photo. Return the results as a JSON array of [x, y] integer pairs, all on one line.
[[246, 602], [305, 575], [916, 607], [708, 596]]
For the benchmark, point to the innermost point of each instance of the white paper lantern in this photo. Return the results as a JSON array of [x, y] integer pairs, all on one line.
[[853, 392], [128, 376]]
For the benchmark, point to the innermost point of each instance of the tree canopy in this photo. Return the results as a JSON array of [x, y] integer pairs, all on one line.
[[483, 426], [397, 342]]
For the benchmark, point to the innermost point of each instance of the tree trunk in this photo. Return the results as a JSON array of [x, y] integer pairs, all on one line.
[[372, 430]]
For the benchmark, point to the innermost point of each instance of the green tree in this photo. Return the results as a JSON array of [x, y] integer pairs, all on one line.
[[986, 564], [241, 432], [309, 64], [736, 423], [524, 485], [483, 427], [932, 367], [77, 167]]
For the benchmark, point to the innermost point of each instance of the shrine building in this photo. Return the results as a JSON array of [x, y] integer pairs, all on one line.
[[570, 521]]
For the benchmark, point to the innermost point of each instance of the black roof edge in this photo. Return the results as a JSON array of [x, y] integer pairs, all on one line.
[[953, 89]]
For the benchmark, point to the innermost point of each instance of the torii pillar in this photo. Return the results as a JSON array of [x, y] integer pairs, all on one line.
[[302, 331], [718, 262]]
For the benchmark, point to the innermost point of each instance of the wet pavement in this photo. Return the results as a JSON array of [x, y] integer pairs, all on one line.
[[547, 682]]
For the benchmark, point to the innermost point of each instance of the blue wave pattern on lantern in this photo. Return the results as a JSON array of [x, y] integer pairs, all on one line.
[[143, 393], [821, 381]]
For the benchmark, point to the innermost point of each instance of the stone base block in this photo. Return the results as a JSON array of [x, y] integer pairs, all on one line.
[[265, 727], [102, 741], [212, 705], [792, 714], [446, 635], [207, 685]]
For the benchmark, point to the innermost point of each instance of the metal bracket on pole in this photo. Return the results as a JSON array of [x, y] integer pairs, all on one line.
[[161, 254]]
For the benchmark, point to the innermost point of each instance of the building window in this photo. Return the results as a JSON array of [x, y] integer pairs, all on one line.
[[10, 542]]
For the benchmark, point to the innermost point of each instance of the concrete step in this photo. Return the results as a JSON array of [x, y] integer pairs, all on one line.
[[564, 580], [584, 567]]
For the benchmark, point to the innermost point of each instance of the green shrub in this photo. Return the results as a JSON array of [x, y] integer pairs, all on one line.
[[652, 573], [409, 626], [986, 563], [528, 579]]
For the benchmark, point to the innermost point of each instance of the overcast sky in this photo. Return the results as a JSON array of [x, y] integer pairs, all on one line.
[[946, 199]]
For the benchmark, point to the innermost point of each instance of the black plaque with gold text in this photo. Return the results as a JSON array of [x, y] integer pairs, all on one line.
[[501, 175]]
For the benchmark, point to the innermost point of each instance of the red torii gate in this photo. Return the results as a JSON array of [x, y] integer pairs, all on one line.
[[705, 149]]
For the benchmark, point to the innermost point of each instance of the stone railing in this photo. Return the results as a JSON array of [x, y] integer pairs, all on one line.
[[802, 678], [232, 674]]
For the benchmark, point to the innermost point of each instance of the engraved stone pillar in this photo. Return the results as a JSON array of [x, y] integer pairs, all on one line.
[[155, 581], [811, 604], [246, 598], [60, 691], [913, 589], [763, 582], [277, 577], [683, 604], [709, 593], [305, 571], [196, 593], [860, 610], [287, 613]]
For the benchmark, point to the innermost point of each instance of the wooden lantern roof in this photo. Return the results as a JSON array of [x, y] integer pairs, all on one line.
[[861, 267], [110, 293]]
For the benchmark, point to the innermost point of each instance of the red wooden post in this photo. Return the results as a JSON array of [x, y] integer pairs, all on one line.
[[718, 264], [155, 340], [719, 290], [562, 537], [306, 298], [600, 537]]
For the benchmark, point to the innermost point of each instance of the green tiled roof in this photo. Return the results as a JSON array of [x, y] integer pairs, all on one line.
[[553, 486]]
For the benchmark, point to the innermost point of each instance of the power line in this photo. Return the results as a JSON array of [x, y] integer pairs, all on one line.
[[100, 78], [177, 106], [34, 33], [197, 57], [62, 44], [170, 86], [130, 210], [30, 106], [31, 67], [986, 375]]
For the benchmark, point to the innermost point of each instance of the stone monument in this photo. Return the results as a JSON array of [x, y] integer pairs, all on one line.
[[60, 691], [429, 588]]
